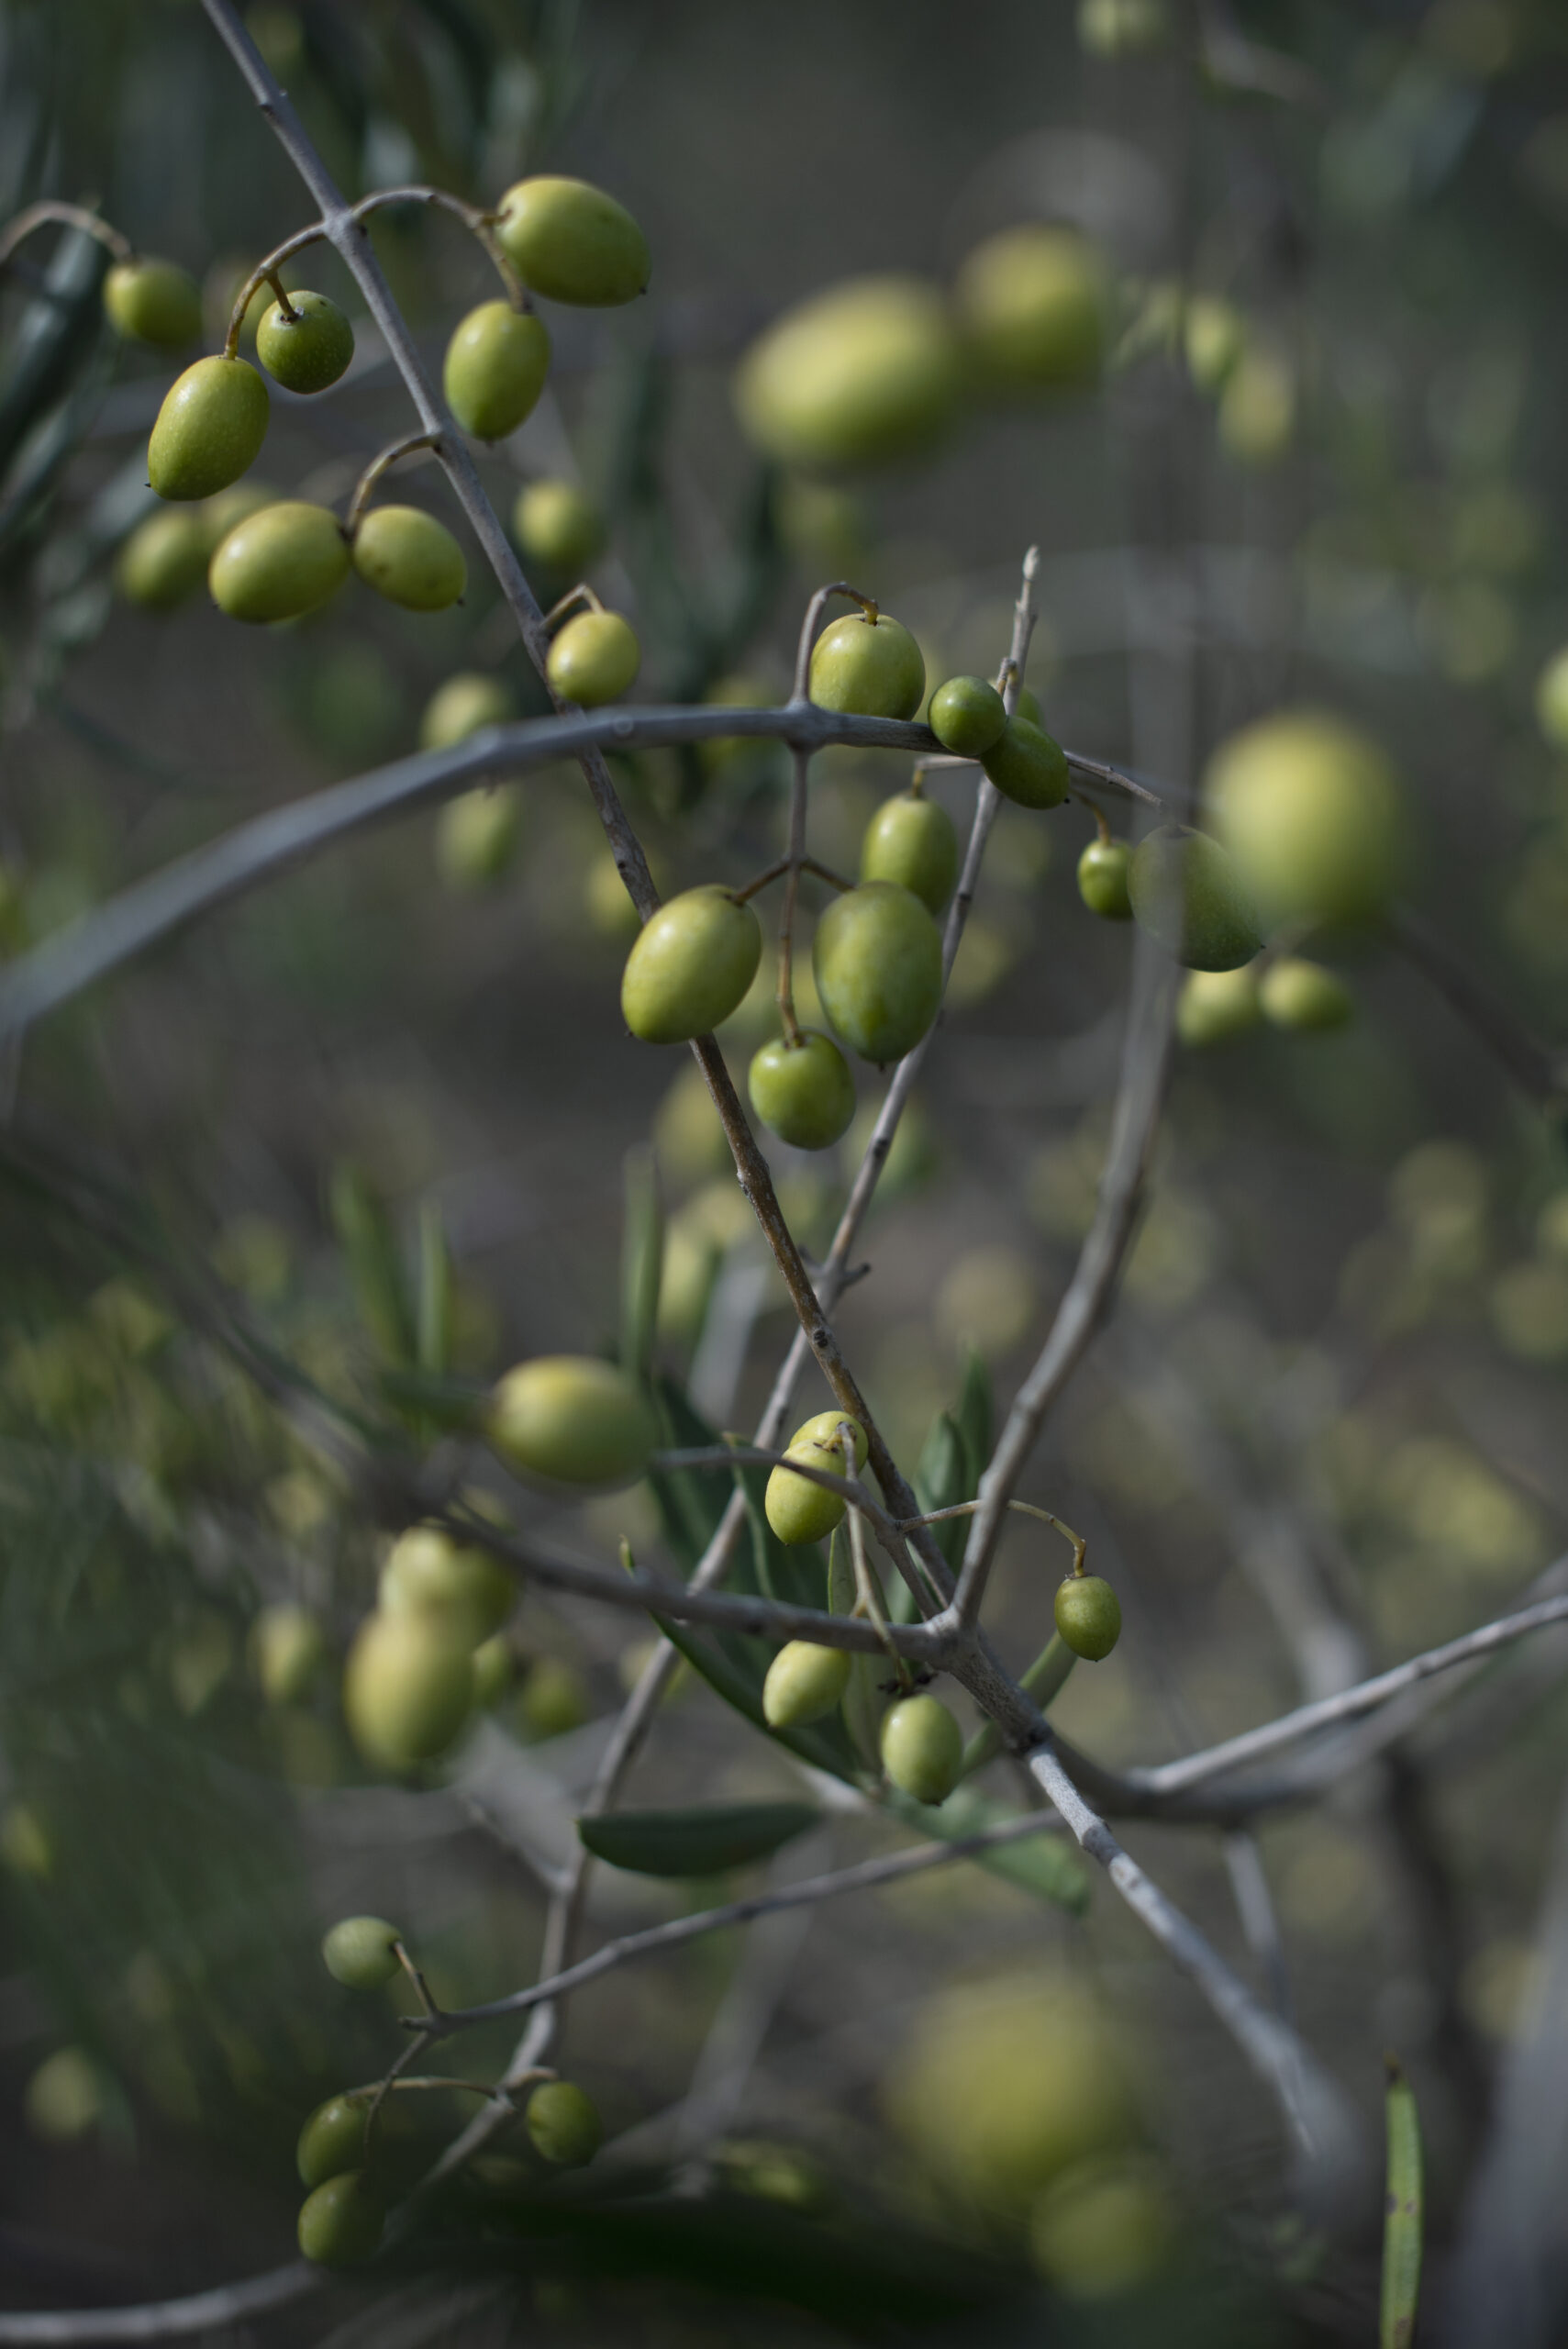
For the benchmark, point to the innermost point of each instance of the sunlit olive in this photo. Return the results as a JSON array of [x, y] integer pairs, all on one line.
[[461, 705], [871, 669], [426, 1572], [1031, 302], [1027, 765], [495, 366], [967, 715], [341, 2223], [477, 835], [558, 526], [563, 2122], [408, 1689], [209, 429], [594, 658], [1294, 993], [1103, 871], [797, 1509], [571, 242], [1188, 894], [1088, 1616], [922, 1748], [153, 301], [286, 559], [1309, 807], [572, 1419], [803, 1092], [309, 350], [690, 965], [409, 556], [804, 1683], [289, 1648], [913, 842], [877, 957], [862, 374], [359, 1952], [1214, 1005]]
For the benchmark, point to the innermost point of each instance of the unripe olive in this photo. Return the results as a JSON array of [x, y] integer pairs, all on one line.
[[868, 669], [912, 840], [409, 556], [558, 526], [863, 374], [164, 561], [65, 2098], [564, 2124], [461, 705], [427, 1573], [477, 835], [492, 1663], [283, 561], [1122, 28], [823, 1428], [690, 965], [26, 1845], [209, 429], [877, 958], [1294, 993], [358, 1952], [1029, 706], [803, 1092], [797, 1510], [1257, 408], [594, 658], [1031, 302], [1088, 1616], [967, 715], [922, 1748], [408, 1689], [311, 349], [1214, 1005], [1027, 765], [1187, 892], [1551, 700], [332, 2139], [341, 2223], [153, 301], [804, 1683], [496, 365], [571, 242], [217, 516], [1103, 2229], [1310, 809], [289, 1648], [554, 1699], [1214, 337], [1103, 871], [572, 1419]]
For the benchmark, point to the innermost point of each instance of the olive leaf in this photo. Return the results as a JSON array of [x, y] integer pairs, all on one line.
[[864, 1699], [1046, 1865], [642, 1256], [377, 1271], [706, 1840]]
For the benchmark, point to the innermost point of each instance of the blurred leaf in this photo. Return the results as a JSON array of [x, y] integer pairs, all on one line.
[[642, 1256], [975, 1416], [433, 1331], [1050, 1868], [943, 1477], [375, 1265], [54, 338], [700, 1841], [458, 1404]]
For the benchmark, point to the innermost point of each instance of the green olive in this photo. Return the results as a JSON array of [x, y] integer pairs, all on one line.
[[1103, 871], [65, 2098], [289, 1650], [285, 560], [1123, 27], [341, 2223], [862, 375], [564, 2123], [209, 429], [572, 1420], [1188, 894], [1031, 303], [571, 242], [359, 1953], [408, 1689], [1294, 993], [1214, 337], [912, 840], [410, 558], [477, 836], [217, 516], [1310, 809], [311, 349], [922, 1748], [823, 1428], [690, 965], [558, 526], [594, 659], [493, 1666], [877, 957], [967, 715], [463, 706], [1088, 1616], [1551, 700], [1027, 765], [798, 1509], [804, 1683], [332, 2139], [164, 561], [803, 1092], [1214, 1005], [153, 301], [1029, 706], [1103, 2229], [869, 669], [428, 1573], [496, 365], [554, 1701]]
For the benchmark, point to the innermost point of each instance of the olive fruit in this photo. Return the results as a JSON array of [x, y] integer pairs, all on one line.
[[309, 350], [496, 365], [477, 835], [868, 668], [1214, 1005], [823, 1428], [863, 374], [164, 561], [217, 516], [1294, 993], [409, 556], [65, 2098], [804, 1683], [332, 2139], [1122, 28], [967, 715], [797, 1510], [153, 301], [359, 1952], [1310, 809], [563, 2122], [1088, 1616], [1031, 305], [1257, 408], [572, 1419], [1551, 700], [690, 965], [596, 657], [1213, 337], [408, 1689], [1027, 765], [571, 242], [427, 1573], [1103, 2229], [803, 1092], [341, 2223], [288, 1647], [877, 959], [209, 429], [922, 1748], [493, 1662], [1188, 894], [554, 1699], [1103, 871], [557, 525], [461, 705], [912, 840], [284, 561]]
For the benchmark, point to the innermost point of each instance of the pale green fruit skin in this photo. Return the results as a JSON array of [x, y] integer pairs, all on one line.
[[307, 353], [153, 301], [1088, 1616], [877, 958], [496, 365], [797, 1510], [803, 1093], [823, 1428], [290, 1651], [1027, 765], [1187, 892], [868, 670], [1310, 809], [332, 2139], [163, 561], [572, 1420], [217, 516], [1551, 700], [285, 560], [554, 1701], [1105, 2229], [571, 242], [410, 558], [862, 375], [358, 1953], [427, 1573], [209, 429], [1113, 28], [1214, 1005], [804, 1684], [341, 2223], [1296, 994], [1029, 706], [1103, 871], [564, 2123], [1214, 336], [492, 1671], [477, 836], [967, 715], [557, 525], [690, 965], [922, 1748], [461, 705], [912, 841], [65, 2098], [595, 659], [407, 1689], [1031, 302]]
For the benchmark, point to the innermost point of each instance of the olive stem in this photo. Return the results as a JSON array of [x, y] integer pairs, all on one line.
[[266, 274], [423, 2036], [1025, 1509], [581, 594], [868, 1592], [808, 626], [479, 224], [794, 853], [65, 215], [421, 1986], [1044, 1681], [381, 464], [284, 304]]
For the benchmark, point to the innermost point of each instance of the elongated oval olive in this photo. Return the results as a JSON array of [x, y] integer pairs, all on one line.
[[1088, 1616], [209, 429], [967, 715], [408, 1689], [877, 957], [594, 658], [798, 1509], [332, 2139], [409, 556], [1214, 1005], [571, 242], [496, 365], [284, 560], [563, 2122], [311, 349], [1187, 892], [868, 669], [1294, 993], [804, 1683], [341, 2223], [823, 1428], [690, 965], [428, 1573], [1031, 303], [922, 1747], [1309, 807], [288, 1647], [572, 1420], [358, 1952], [558, 526], [153, 301], [1103, 871], [912, 840], [477, 836], [862, 374], [803, 1092], [164, 561], [1027, 765], [461, 705]]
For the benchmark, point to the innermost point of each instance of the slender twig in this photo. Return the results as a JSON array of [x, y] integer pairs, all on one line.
[[380, 463], [51, 213], [480, 225], [215, 2312]]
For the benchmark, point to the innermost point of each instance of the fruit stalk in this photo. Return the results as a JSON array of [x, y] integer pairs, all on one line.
[[381, 464], [65, 215]]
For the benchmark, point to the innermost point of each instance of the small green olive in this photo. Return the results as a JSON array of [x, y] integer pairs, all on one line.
[[341, 2223], [311, 349], [1088, 1616], [1031, 303], [798, 1509], [554, 1699], [804, 1683], [1029, 706], [461, 705], [288, 1648], [1103, 871], [408, 1689], [492, 1667], [164, 561], [1188, 894], [877, 958], [283, 561], [153, 301], [1309, 807], [410, 558], [922, 1748], [217, 516], [477, 836], [1214, 1005], [572, 1420], [209, 429], [358, 1952], [1027, 765], [690, 965], [558, 526], [868, 669], [912, 840], [803, 1092], [563, 2122], [967, 715], [496, 365], [862, 375], [1294, 993], [1214, 337], [332, 2139], [571, 242], [823, 1428], [594, 658], [427, 1573]]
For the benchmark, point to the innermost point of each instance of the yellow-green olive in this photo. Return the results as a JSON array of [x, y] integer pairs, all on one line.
[[341, 2223], [284, 560], [359, 1953], [557, 525], [1309, 807], [1296, 994], [804, 1683], [868, 668], [922, 1748], [408, 1689], [912, 840], [877, 959], [153, 301], [496, 365], [477, 836], [690, 965], [1187, 892], [967, 715], [862, 375], [803, 1092], [1088, 1616], [797, 1509], [1031, 303], [209, 429], [409, 556], [594, 659], [164, 561], [572, 1420], [571, 242], [1214, 1005], [564, 2123], [461, 705], [310, 349], [428, 1573], [289, 1649], [1214, 338]]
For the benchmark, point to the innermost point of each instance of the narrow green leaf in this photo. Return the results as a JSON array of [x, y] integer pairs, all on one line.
[[1047, 1865], [794, 1574], [432, 1334], [374, 1260], [864, 1701], [1402, 2215], [943, 1477], [700, 1841], [642, 1256], [976, 1417], [452, 1403]]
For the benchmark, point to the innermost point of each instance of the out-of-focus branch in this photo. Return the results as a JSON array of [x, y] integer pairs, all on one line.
[[1542, 1072]]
